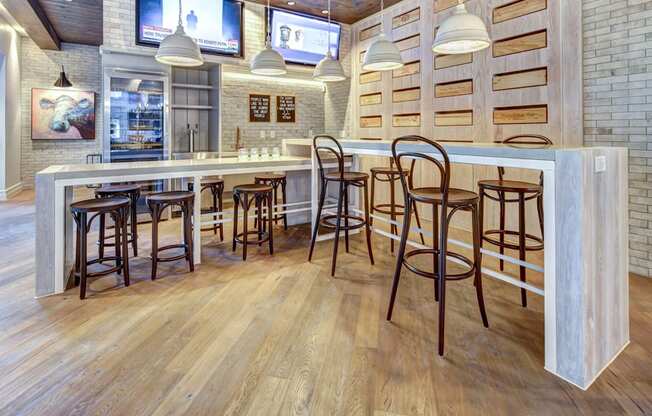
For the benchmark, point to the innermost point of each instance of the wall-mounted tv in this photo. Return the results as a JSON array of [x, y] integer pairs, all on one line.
[[215, 24], [303, 39]]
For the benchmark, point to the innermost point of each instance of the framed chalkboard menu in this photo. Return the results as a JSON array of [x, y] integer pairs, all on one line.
[[259, 108], [285, 109]]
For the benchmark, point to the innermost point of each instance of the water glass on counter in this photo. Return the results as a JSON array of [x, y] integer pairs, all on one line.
[[243, 154], [276, 153], [264, 152], [253, 153]]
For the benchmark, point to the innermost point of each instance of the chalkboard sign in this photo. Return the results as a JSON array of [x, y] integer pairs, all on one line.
[[285, 109], [259, 108]]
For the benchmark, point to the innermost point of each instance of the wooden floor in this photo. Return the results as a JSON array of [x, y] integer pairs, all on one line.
[[280, 336]]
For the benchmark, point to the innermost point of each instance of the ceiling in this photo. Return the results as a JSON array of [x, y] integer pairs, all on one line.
[[345, 11], [77, 21]]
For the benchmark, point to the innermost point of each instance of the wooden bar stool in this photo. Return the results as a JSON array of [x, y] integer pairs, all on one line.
[[260, 197], [391, 175], [132, 192], [216, 186], [118, 209], [445, 198], [525, 191], [344, 179], [157, 203], [275, 180]]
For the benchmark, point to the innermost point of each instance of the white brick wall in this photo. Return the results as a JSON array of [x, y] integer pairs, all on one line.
[[40, 69], [618, 103], [337, 101]]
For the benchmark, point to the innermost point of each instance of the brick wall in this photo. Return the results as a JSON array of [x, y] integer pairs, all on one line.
[[40, 69], [337, 100], [618, 103]]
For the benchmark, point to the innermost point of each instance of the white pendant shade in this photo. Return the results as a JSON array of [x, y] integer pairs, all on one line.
[[461, 33], [268, 62], [382, 55], [179, 49], [329, 70]]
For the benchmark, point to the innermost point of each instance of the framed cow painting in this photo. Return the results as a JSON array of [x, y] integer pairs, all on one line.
[[62, 114]]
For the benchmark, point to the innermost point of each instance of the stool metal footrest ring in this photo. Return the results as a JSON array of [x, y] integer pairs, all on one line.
[[452, 276]]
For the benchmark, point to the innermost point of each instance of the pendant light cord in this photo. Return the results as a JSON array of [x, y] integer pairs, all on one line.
[[180, 22], [269, 23], [328, 41]]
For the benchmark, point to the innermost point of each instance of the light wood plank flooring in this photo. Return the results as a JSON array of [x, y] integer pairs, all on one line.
[[279, 336]]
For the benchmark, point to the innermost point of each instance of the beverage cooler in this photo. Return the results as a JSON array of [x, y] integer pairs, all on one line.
[[136, 122]]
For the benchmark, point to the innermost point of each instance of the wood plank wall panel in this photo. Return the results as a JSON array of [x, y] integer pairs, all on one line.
[[534, 59], [454, 88], [520, 79], [520, 43], [517, 9]]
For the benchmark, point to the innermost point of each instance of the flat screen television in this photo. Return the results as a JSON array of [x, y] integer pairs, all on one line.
[[215, 24], [303, 39]]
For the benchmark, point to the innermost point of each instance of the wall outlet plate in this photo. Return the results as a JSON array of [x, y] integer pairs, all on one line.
[[600, 164]]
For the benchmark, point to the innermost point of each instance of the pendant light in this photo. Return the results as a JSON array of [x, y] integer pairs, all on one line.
[[329, 69], [383, 54], [268, 61], [462, 32], [63, 82], [179, 49]]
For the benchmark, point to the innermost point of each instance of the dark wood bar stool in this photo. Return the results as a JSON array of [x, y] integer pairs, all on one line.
[[216, 187], [260, 197], [118, 209], [504, 194], [442, 197], [276, 180], [132, 192], [157, 203], [391, 175], [345, 180]]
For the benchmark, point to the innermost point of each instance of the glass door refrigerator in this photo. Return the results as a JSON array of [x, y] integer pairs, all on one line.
[[136, 114]]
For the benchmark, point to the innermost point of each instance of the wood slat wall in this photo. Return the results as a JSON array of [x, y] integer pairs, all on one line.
[[513, 87]]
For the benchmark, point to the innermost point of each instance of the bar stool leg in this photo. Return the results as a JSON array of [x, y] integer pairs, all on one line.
[[315, 230], [284, 196], [501, 196], [154, 210], [338, 219], [346, 217], [220, 195], [117, 227], [435, 245], [102, 233], [269, 220], [392, 210], [236, 202], [125, 244], [83, 254], [214, 208], [481, 218], [133, 215], [399, 262], [521, 243], [540, 212], [275, 186], [373, 197], [187, 232], [245, 227], [442, 279], [367, 222], [260, 225], [77, 250], [477, 261]]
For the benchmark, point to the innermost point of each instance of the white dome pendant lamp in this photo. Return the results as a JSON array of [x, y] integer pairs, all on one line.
[[383, 54], [462, 32], [329, 69], [179, 49], [268, 61]]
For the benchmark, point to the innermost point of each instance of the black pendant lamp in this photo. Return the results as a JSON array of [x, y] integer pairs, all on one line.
[[63, 82]]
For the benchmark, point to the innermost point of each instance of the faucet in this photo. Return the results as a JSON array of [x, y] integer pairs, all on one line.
[[191, 137]]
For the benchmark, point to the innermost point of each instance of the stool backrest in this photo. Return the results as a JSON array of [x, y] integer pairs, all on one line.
[[527, 139], [320, 143], [443, 165]]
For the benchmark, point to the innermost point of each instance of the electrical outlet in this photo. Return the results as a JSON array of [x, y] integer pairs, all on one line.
[[272, 134], [600, 164], [262, 134]]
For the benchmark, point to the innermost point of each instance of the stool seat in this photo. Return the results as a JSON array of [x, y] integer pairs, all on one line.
[[456, 197], [270, 177], [510, 186], [347, 177], [252, 188], [171, 196], [100, 204], [117, 189], [208, 182]]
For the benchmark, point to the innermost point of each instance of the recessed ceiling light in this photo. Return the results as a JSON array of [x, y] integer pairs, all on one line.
[[291, 3], [324, 11]]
